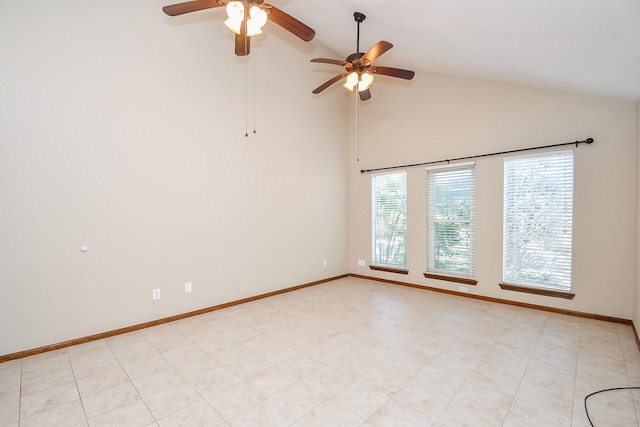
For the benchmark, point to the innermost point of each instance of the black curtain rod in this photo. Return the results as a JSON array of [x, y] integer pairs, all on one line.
[[576, 143]]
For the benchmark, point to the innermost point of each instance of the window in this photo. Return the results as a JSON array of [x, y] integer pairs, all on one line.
[[389, 220], [451, 200], [538, 217]]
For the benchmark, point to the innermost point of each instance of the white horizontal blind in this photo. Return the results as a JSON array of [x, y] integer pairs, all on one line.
[[389, 219], [451, 200], [538, 220]]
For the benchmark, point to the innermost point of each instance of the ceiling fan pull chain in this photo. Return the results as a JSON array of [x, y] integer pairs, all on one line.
[[355, 98], [246, 102], [253, 62]]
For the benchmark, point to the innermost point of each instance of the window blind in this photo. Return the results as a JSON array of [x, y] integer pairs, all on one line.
[[389, 219], [538, 220], [451, 200]]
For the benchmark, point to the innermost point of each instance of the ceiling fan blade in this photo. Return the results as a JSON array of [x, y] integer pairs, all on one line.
[[393, 72], [365, 94], [192, 6], [377, 50], [329, 83], [243, 42], [331, 61], [289, 23]]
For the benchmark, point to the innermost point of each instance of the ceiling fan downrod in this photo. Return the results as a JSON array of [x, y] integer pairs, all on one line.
[[359, 17]]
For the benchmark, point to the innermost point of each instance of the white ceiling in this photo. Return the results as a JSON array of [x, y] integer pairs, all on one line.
[[584, 46]]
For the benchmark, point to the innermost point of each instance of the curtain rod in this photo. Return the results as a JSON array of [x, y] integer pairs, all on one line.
[[576, 143]]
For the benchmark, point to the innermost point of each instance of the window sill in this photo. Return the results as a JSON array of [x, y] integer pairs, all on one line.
[[455, 279], [389, 269], [537, 291]]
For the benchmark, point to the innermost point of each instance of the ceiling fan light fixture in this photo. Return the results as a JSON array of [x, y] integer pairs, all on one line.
[[235, 12], [365, 81], [351, 81]]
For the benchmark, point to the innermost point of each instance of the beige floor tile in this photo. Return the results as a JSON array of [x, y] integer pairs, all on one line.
[[329, 413], [360, 399], [234, 400], [556, 346], [615, 408], [439, 379], [299, 366], [10, 373], [100, 380], [297, 399], [196, 366], [231, 354], [107, 400], [172, 400], [527, 413], [460, 414], [35, 381], [477, 398], [396, 414], [45, 362], [271, 381], [248, 366], [86, 364], [265, 414], [158, 381], [48, 399], [145, 366], [124, 342], [548, 389], [67, 414], [422, 398], [198, 414], [215, 381], [327, 380], [386, 380], [134, 414]]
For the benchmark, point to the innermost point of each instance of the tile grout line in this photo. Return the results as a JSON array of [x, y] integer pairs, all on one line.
[[75, 381]]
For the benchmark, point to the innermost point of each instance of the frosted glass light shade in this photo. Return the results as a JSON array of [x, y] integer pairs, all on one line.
[[351, 82], [257, 21], [365, 81], [235, 12]]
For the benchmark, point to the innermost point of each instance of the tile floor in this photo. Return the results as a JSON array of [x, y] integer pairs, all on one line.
[[350, 352]]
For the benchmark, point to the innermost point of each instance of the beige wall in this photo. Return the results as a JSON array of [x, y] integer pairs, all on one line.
[[437, 117], [123, 130]]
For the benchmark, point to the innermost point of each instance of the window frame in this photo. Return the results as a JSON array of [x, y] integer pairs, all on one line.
[[514, 282], [377, 263], [432, 272]]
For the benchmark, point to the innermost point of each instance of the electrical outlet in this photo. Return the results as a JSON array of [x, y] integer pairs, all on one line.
[[324, 263], [361, 263], [156, 294], [188, 287], [463, 289]]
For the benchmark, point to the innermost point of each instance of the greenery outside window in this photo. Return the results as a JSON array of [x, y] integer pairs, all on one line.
[[389, 220], [538, 221], [451, 200]]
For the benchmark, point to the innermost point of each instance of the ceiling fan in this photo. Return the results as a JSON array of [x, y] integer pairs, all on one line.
[[245, 18], [359, 68]]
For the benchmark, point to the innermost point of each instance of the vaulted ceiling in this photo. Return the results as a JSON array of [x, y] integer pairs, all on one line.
[[584, 46]]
